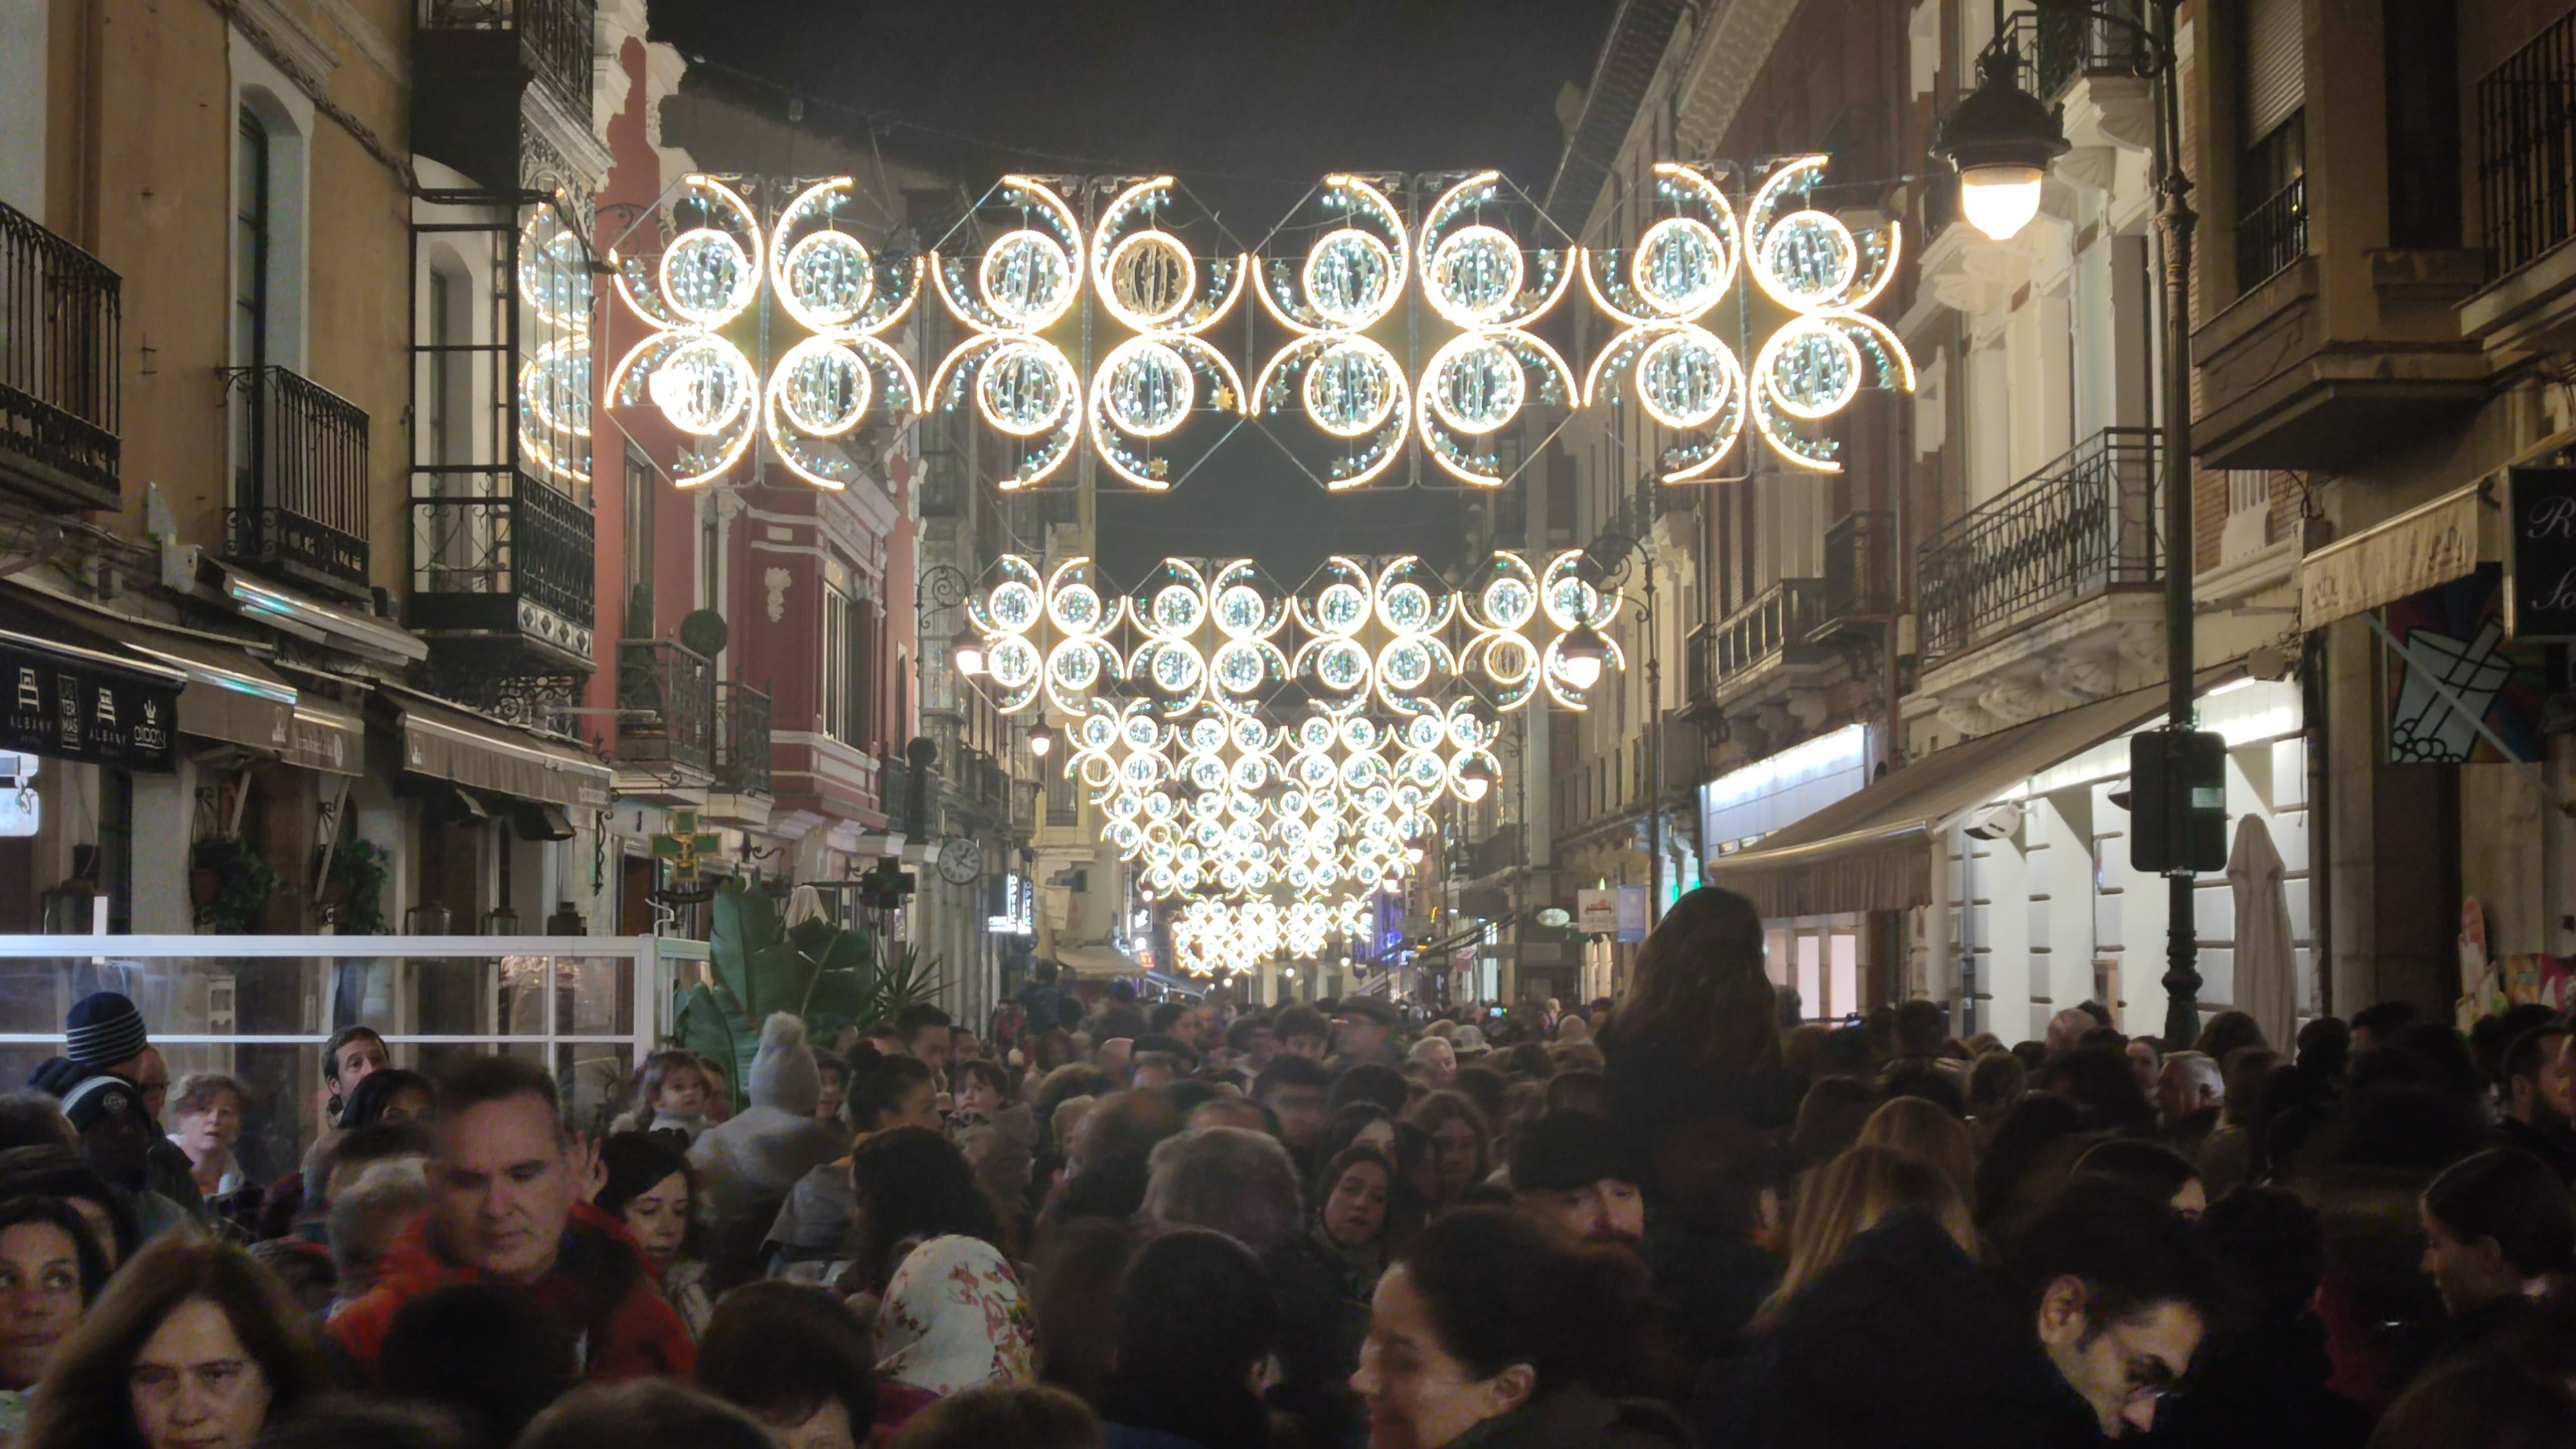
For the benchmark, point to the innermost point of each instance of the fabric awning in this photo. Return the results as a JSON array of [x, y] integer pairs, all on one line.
[[463, 748], [1872, 851], [76, 694], [1095, 960], [2421, 548]]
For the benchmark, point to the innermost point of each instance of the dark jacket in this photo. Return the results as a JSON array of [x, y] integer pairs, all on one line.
[[1320, 1329], [1653, 1087], [1579, 1418], [1714, 1284], [1904, 1344], [2553, 1145], [2261, 1386]]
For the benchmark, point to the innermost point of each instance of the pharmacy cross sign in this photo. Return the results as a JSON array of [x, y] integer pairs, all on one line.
[[682, 844]]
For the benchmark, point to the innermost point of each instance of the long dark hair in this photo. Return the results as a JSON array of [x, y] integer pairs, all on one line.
[[879, 1083], [1503, 1289], [86, 1399], [54, 1212], [1701, 988], [1194, 1317], [637, 1162], [367, 1100], [910, 1182]]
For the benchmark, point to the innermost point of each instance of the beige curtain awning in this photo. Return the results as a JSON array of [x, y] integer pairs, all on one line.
[[1872, 851], [2425, 546], [1097, 961], [463, 748], [323, 736]]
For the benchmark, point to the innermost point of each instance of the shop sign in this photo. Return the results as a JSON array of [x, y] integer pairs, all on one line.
[[1632, 913], [2540, 601], [67, 710], [1596, 913]]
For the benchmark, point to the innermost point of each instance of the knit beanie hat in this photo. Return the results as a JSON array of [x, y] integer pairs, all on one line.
[[100, 1096], [104, 1029], [783, 1074]]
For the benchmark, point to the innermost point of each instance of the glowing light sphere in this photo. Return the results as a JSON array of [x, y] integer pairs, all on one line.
[[829, 276], [1683, 382], [1177, 609], [1509, 601], [1680, 267], [1405, 665], [1240, 610], [1176, 667], [1027, 278], [1815, 370], [1342, 665], [822, 386], [703, 385], [1407, 606], [1013, 605], [1811, 256], [1240, 667], [1152, 277], [1477, 272], [1026, 388], [1341, 608], [1475, 384], [1076, 609], [1012, 661], [1352, 388], [1150, 387], [1349, 277], [707, 277]]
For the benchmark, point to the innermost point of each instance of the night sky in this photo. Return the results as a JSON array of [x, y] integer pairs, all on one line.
[[1247, 102]]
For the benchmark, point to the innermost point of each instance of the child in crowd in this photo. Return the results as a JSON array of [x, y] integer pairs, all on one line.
[[670, 1097]]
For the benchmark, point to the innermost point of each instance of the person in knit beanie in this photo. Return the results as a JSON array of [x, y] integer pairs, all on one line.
[[748, 1163], [104, 1036]]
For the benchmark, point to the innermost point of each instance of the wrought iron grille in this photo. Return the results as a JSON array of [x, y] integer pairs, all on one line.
[[1860, 567], [300, 490], [742, 739], [2057, 48], [532, 542], [2272, 235], [1780, 616], [2527, 149], [60, 313], [666, 704], [555, 33], [2073, 529]]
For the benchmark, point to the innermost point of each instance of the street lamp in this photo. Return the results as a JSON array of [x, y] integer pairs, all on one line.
[[1999, 138], [1584, 651], [969, 655], [1041, 740]]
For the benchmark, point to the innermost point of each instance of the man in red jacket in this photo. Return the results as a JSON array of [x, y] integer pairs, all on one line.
[[506, 1206]]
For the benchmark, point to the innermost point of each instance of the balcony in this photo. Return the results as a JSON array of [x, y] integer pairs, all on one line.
[[59, 335], [2081, 526], [666, 706], [469, 56], [1860, 574], [299, 507], [2526, 120], [742, 739], [508, 567], [1758, 664], [2272, 235], [2058, 50]]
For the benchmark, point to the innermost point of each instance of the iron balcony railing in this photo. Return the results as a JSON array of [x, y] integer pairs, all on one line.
[[666, 704], [742, 739], [2077, 527], [2527, 149], [300, 480], [514, 539], [60, 315], [555, 36], [2272, 235], [1777, 618], [1860, 567], [2056, 48]]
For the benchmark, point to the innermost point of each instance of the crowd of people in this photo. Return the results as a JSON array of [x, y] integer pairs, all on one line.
[[1684, 1218]]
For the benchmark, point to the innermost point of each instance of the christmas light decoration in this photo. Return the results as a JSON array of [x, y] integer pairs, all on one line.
[[1021, 384], [554, 381], [1476, 384]]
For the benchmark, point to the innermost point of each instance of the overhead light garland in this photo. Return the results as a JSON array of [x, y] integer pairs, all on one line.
[[1033, 284]]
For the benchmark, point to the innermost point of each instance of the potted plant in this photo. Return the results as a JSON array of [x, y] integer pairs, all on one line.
[[243, 884]]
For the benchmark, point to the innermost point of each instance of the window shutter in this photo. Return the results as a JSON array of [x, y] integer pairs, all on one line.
[[2275, 64]]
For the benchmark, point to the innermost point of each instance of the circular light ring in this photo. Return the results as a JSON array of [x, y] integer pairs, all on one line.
[[1242, 613], [1509, 601], [1074, 666], [703, 386], [1146, 387], [822, 386], [1013, 606], [1474, 384], [1075, 606], [1351, 387], [1810, 369], [1681, 267], [1687, 379], [708, 276], [1810, 258], [1352, 278], [1475, 275], [1028, 279], [1177, 609], [1026, 387], [1147, 279], [1012, 661], [1173, 665], [826, 279], [1241, 666]]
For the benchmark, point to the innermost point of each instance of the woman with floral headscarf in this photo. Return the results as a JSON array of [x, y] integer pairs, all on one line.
[[953, 1319]]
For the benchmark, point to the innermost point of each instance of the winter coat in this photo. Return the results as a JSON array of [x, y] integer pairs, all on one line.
[[599, 1293], [1579, 1418], [759, 1155]]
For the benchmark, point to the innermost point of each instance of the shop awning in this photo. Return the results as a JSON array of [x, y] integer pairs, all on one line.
[[1873, 851], [82, 698], [307, 617], [1095, 960], [463, 748], [2425, 546]]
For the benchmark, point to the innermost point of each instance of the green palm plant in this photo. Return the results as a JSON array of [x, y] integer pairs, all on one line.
[[831, 976]]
